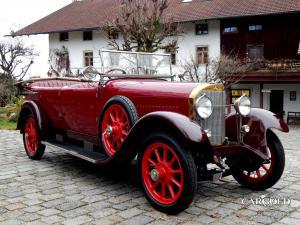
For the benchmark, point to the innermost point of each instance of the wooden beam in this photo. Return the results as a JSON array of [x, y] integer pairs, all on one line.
[[261, 95]]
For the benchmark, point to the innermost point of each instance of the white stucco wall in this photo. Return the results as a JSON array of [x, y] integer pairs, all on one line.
[[254, 93], [187, 44], [189, 41], [288, 106]]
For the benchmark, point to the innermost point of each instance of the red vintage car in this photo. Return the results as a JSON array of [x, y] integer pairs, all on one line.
[[178, 132]]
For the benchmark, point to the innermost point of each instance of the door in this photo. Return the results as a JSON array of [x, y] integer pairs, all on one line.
[[276, 102], [81, 108]]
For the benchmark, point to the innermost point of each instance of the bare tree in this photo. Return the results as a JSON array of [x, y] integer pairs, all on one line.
[[191, 71], [144, 27], [15, 59], [59, 63], [228, 70]]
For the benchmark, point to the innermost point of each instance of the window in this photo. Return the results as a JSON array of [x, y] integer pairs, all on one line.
[[63, 36], [293, 95], [88, 35], [236, 93], [232, 29], [255, 52], [113, 35], [202, 55], [201, 29], [88, 59], [256, 27]]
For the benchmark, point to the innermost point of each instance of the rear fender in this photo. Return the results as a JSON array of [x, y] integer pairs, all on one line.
[[30, 107], [259, 121], [184, 130]]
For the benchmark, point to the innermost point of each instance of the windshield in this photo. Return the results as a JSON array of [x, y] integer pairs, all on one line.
[[135, 63]]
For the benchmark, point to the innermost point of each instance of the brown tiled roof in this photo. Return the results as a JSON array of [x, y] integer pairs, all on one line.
[[91, 14]]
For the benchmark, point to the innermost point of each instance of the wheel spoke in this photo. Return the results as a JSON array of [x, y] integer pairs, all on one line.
[[124, 133], [265, 167], [165, 154], [177, 171], [258, 173], [175, 182], [155, 184], [152, 162], [112, 117], [172, 161], [157, 155], [171, 190]]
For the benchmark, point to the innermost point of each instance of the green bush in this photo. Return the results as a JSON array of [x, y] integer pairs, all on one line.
[[12, 111]]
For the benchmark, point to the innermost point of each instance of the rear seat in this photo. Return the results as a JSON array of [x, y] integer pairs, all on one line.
[[53, 83]]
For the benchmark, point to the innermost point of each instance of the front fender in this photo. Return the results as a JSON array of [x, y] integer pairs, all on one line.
[[259, 121], [185, 131]]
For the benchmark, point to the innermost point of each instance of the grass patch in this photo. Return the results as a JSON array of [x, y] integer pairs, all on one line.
[[5, 124]]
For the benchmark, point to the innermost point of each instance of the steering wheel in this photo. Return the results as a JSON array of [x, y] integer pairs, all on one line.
[[116, 69]]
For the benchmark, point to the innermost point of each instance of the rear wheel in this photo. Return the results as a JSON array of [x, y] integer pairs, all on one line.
[[266, 175], [168, 174], [32, 140]]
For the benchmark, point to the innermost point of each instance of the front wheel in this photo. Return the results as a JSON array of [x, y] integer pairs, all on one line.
[[31, 138], [168, 174], [266, 175]]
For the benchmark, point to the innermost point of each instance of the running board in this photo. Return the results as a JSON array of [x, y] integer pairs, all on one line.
[[93, 157]]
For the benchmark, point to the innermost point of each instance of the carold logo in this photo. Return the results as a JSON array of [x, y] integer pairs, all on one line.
[[267, 201]]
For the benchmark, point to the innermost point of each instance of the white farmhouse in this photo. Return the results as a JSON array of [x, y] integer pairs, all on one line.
[[266, 32]]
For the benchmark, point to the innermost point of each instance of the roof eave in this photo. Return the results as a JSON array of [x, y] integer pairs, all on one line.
[[182, 21]]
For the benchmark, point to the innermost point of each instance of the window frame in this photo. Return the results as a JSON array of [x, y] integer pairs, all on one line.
[[256, 45], [66, 37], [255, 27], [234, 97], [201, 24], [84, 37], [91, 58], [197, 59], [230, 27]]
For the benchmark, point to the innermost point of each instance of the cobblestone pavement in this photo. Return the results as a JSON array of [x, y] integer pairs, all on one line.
[[61, 189]]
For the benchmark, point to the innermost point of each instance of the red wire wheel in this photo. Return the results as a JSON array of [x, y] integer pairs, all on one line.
[[32, 140], [31, 136], [167, 172], [115, 128], [267, 174], [261, 173], [162, 173]]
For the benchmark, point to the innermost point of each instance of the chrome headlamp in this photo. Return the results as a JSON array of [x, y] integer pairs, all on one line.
[[243, 105], [203, 107]]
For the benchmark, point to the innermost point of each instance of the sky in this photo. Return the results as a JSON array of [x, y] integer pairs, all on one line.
[[16, 14]]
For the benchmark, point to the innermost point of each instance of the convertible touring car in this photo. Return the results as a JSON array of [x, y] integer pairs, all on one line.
[[178, 132]]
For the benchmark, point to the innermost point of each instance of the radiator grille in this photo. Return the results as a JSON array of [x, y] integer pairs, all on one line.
[[216, 122]]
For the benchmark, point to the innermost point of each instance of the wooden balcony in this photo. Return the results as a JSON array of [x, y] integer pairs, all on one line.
[[277, 66], [272, 71]]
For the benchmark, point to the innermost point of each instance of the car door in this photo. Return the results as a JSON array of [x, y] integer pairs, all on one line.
[[80, 108]]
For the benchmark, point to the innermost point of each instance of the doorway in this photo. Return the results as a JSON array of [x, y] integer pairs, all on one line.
[[276, 102]]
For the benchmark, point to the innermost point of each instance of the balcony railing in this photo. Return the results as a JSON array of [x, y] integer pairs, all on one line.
[[277, 66]]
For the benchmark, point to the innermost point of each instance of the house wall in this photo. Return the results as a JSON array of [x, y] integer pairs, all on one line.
[[187, 45], [288, 105]]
